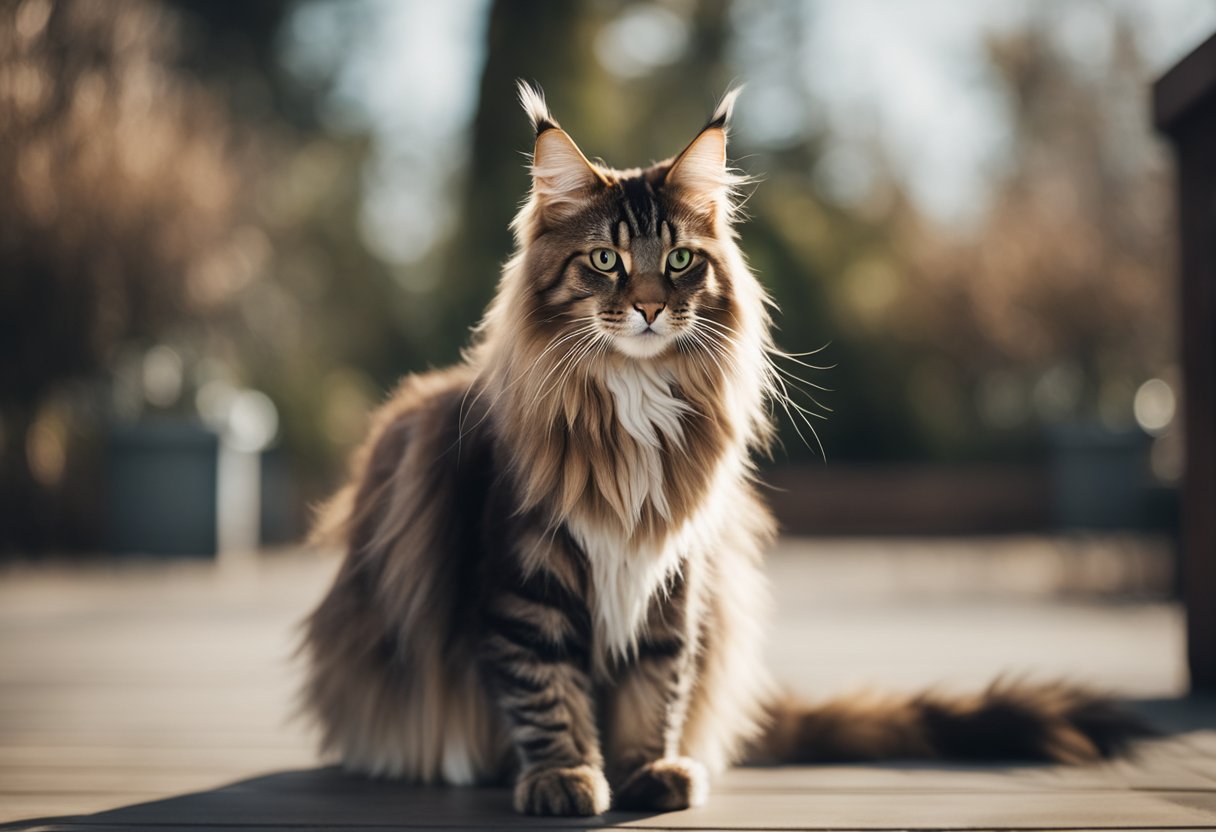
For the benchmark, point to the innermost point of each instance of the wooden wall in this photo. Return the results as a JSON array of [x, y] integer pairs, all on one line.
[[1185, 109]]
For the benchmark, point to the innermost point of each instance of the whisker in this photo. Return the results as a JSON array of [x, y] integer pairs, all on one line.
[[462, 414], [779, 389], [588, 348], [798, 381], [568, 360], [523, 376]]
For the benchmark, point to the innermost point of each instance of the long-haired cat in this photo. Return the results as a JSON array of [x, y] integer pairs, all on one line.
[[553, 549]]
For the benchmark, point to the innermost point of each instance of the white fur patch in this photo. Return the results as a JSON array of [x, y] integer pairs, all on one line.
[[644, 402], [642, 345], [626, 577], [646, 409], [624, 581]]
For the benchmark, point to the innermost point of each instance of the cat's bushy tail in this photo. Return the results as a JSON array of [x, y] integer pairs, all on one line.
[[1013, 721]]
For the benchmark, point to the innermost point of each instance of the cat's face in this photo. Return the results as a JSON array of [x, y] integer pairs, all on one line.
[[634, 260], [632, 265]]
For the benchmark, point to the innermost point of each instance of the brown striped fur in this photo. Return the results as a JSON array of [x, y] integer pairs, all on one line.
[[552, 565]]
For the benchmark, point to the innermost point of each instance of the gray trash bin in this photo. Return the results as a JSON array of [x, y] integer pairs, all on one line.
[[1099, 477], [161, 489]]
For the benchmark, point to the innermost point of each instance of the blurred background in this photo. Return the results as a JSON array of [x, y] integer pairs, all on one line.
[[228, 228]]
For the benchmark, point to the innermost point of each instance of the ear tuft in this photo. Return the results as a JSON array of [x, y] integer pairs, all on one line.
[[532, 99], [722, 113]]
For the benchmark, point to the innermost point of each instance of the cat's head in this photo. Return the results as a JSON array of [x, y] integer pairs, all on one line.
[[638, 261]]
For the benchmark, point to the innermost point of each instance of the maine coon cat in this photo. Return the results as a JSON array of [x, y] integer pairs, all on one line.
[[552, 567]]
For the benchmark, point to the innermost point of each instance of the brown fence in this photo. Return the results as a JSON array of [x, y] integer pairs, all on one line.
[[881, 499]]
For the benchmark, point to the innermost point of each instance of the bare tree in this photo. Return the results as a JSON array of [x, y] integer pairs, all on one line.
[[117, 184]]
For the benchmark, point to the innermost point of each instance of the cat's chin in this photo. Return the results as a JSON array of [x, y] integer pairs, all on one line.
[[643, 345]]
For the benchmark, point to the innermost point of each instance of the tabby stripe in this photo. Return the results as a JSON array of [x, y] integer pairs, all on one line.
[[546, 590], [533, 640], [523, 720], [512, 679], [553, 282], [538, 706], [639, 205], [627, 219], [696, 274], [538, 745], [724, 287], [667, 648]]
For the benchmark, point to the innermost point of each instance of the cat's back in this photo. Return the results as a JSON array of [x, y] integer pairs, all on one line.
[[421, 403], [424, 427], [390, 680]]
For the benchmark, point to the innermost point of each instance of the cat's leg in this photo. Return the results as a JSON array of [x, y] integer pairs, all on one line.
[[649, 707], [536, 652]]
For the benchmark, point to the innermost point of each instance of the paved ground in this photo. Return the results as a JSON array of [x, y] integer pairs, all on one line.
[[158, 696]]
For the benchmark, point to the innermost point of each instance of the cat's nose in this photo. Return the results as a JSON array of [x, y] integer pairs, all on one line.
[[649, 311]]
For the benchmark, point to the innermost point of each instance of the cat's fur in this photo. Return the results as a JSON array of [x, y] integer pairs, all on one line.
[[553, 550]]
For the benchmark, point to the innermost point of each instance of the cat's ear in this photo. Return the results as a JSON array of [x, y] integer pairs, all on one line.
[[562, 177], [700, 174]]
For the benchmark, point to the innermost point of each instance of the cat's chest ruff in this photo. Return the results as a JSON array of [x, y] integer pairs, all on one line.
[[624, 580], [645, 405], [650, 415], [626, 575]]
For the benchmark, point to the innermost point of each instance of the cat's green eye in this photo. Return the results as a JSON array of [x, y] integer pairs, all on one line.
[[679, 259], [604, 259]]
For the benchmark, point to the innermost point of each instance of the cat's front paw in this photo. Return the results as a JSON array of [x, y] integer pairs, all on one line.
[[665, 785], [581, 790]]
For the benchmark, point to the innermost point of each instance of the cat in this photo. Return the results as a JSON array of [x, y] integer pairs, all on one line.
[[553, 550]]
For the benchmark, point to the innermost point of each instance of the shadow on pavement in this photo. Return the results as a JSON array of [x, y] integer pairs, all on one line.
[[329, 798]]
